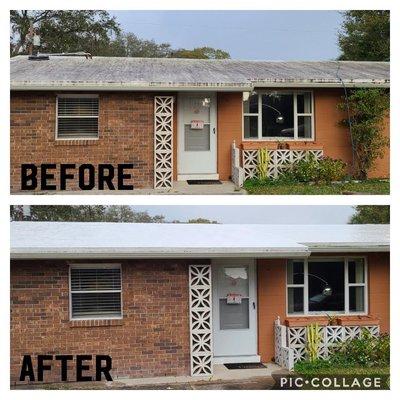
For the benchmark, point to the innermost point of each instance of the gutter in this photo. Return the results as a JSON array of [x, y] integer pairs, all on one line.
[[157, 253], [353, 248]]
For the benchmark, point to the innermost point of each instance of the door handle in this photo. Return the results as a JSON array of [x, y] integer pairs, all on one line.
[[254, 305], [214, 131]]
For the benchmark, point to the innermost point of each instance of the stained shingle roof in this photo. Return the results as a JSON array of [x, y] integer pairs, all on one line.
[[119, 73]]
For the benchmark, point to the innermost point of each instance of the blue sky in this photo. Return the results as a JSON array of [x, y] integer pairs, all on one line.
[[250, 35], [255, 214]]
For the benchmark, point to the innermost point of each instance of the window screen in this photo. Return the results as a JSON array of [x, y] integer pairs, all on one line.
[[96, 292], [77, 117]]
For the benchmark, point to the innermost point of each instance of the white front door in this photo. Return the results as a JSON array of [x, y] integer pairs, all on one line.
[[197, 136], [234, 311]]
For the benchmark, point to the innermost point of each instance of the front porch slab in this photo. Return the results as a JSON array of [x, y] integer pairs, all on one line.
[[179, 187]]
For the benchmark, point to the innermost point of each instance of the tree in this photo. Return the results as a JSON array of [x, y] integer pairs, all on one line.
[[129, 45], [201, 221], [64, 30], [368, 109], [201, 53], [371, 215], [365, 35], [84, 214]]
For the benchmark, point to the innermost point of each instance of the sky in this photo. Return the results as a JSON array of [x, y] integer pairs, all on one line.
[[247, 35], [254, 214]]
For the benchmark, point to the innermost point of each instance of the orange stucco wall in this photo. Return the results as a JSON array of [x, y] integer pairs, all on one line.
[[332, 138], [271, 282]]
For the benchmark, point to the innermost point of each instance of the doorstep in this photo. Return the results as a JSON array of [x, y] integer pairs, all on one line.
[[221, 373]]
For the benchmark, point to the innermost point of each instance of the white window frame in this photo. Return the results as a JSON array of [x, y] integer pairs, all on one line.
[[93, 266], [80, 95], [295, 115], [347, 285]]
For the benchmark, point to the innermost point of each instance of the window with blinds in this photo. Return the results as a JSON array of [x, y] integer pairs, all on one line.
[[95, 292], [77, 117]]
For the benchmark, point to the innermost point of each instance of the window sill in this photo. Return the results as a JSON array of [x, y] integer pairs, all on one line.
[[273, 145], [344, 320], [76, 142], [86, 323]]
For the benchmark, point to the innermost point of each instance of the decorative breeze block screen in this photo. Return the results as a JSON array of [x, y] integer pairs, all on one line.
[[279, 161], [331, 336], [201, 351], [163, 135]]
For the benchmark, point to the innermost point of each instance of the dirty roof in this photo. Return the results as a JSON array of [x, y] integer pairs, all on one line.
[[127, 73], [131, 240]]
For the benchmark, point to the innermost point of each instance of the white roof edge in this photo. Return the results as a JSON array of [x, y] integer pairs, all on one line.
[[200, 87], [366, 248], [29, 254]]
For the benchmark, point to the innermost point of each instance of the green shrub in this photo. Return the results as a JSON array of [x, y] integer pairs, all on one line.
[[312, 170], [365, 351], [331, 170], [305, 170]]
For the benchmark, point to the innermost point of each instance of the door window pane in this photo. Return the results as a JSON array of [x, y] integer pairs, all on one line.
[[197, 139], [197, 107], [304, 127], [295, 300], [234, 316], [325, 286], [356, 271], [356, 298], [277, 115], [251, 127], [234, 280]]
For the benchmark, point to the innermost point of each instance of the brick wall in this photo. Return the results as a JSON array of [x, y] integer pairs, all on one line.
[[126, 135], [271, 283], [152, 339]]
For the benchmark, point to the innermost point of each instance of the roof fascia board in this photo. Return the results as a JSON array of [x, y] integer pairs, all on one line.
[[349, 249], [236, 253]]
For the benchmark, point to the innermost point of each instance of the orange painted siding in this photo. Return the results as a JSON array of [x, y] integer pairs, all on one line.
[[332, 138], [271, 282], [229, 128]]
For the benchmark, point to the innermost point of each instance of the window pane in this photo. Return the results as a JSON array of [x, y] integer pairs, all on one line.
[[197, 139], [95, 305], [295, 273], [356, 271], [251, 127], [95, 279], [325, 286], [250, 106], [304, 103], [295, 300], [277, 115], [70, 128], [234, 316], [304, 127], [356, 298]]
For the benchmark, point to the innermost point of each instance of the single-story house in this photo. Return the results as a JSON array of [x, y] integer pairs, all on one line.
[[182, 119], [177, 299]]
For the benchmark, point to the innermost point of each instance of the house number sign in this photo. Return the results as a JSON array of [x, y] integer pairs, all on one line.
[[233, 298], [196, 124]]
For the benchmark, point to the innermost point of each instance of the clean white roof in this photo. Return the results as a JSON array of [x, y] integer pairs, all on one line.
[[129, 240], [133, 73]]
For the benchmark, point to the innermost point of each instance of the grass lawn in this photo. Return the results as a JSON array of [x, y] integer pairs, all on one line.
[[371, 186], [325, 369]]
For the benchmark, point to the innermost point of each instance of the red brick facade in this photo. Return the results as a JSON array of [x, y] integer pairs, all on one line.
[[126, 135], [152, 339]]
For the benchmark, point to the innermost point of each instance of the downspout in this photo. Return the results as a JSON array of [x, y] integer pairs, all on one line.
[[348, 118]]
